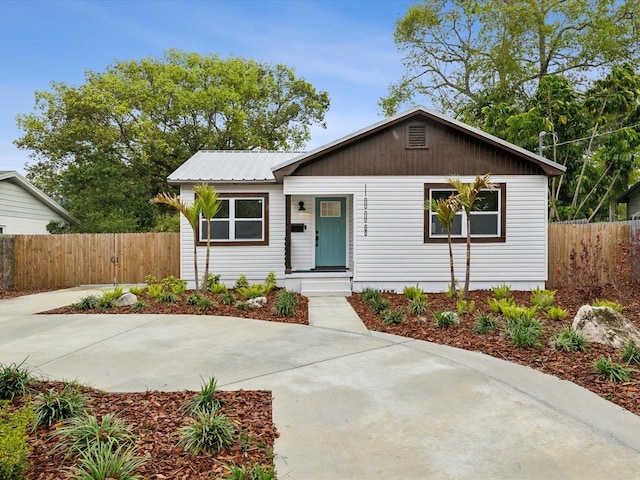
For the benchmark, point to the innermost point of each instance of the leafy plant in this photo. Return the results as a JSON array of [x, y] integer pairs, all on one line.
[[244, 306], [569, 341], [611, 371], [104, 461], [501, 291], [452, 290], [630, 353], [209, 431], [212, 280], [174, 284], [411, 293], [485, 323], [543, 299], [286, 303], [445, 319], [464, 306], [14, 444], [15, 380], [90, 302], [201, 301], [168, 296], [139, 306], [155, 290], [378, 304], [54, 406], [253, 291], [206, 399], [271, 280], [392, 317], [112, 295], [150, 280], [136, 290], [218, 288], [369, 294], [556, 313], [106, 302], [241, 282], [496, 306], [227, 298], [253, 472], [513, 312], [79, 433], [524, 331], [418, 305], [607, 303]]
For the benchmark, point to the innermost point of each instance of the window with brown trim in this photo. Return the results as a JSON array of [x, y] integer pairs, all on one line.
[[488, 218], [241, 220]]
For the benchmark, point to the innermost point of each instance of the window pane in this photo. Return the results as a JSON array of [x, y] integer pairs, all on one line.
[[248, 208], [456, 228], [219, 230], [249, 230], [438, 194], [484, 224], [487, 201], [330, 209], [224, 209]]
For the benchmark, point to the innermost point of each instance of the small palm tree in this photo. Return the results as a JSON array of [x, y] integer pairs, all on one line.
[[192, 213], [445, 210], [467, 196], [210, 204]]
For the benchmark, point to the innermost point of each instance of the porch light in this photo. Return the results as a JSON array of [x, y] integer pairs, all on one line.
[[301, 206]]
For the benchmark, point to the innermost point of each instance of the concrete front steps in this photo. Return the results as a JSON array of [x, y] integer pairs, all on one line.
[[326, 287]]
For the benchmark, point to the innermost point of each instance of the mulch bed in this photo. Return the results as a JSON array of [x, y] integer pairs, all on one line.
[[575, 367]]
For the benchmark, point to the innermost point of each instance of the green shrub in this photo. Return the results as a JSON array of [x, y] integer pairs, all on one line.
[[252, 472], [201, 301], [524, 331], [103, 461], [369, 294], [452, 290], [496, 306], [112, 295], [155, 290], [241, 282], [90, 302], [15, 380], [286, 303], [209, 431], [139, 306], [106, 302], [14, 445], [392, 317], [244, 306], [543, 299], [502, 291], [569, 341], [227, 298], [445, 319], [630, 353], [174, 284], [556, 314], [418, 305], [206, 399], [150, 280], [465, 306], [212, 281], [515, 312], [136, 290], [168, 296], [411, 293], [485, 323], [271, 281], [218, 288], [608, 303], [379, 305], [254, 291], [54, 406], [609, 370], [79, 433]]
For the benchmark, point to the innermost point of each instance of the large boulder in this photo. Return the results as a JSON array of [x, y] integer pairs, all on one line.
[[126, 299], [605, 325]]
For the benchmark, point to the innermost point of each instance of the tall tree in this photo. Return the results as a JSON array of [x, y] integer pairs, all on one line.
[[145, 117], [466, 54]]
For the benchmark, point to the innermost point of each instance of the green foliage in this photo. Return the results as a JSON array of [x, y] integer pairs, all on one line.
[[254, 291], [104, 461], [370, 293], [58, 227], [150, 280], [54, 406], [418, 305], [271, 280], [14, 445], [445, 319], [608, 303], [112, 295], [286, 303], [136, 290], [241, 282], [252, 472], [155, 290], [244, 306], [411, 293], [496, 306], [542, 299], [167, 296], [218, 288], [452, 289], [79, 433], [569, 341], [524, 331], [465, 306], [139, 306], [514, 312], [393, 317], [201, 301], [485, 323], [15, 380], [205, 400], [227, 298], [611, 371], [630, 353], [556, 313], [90, 302], [501, 291], [209, 431], [106, 302], [212, 281], [174, 284], [378, 304]]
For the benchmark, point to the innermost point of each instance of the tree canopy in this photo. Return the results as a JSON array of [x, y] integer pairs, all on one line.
[[107, 146]]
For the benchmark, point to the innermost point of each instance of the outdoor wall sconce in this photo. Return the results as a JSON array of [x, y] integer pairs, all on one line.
[[301, 206]]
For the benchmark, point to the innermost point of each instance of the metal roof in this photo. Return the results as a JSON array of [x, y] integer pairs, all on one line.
[[230, 166]]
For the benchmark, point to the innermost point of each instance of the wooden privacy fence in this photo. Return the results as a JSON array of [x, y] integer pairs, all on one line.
[[54, 261], [596, 245]]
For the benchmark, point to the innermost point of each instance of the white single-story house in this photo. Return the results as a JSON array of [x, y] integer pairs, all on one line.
[[24, 209], [350, 214]]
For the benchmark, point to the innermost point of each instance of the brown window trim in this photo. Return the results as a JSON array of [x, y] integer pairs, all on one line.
[[503, 217], [235, 243]]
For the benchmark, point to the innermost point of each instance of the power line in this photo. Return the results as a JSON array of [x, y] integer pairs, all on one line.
[[592, 136]]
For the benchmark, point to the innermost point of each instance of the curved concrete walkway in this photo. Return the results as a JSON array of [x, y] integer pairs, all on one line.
[[349, 404]]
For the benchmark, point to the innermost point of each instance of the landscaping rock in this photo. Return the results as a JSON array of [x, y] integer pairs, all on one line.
[[126, 299], [257, 302], [605, 325]]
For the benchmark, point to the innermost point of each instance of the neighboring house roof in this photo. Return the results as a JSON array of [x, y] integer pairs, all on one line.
[[626, 196], [550, 168], [17, 179], [230, 166]]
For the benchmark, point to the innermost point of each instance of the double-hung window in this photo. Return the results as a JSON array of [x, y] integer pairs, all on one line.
[[241, 219], [488, 216]]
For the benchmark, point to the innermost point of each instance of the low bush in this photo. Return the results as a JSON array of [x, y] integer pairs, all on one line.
[[524, 331], [15, 380], [174, 284], [209, 431], [244, 306], [136, 290], [90, 302], [515, 312], [54, 406], [286, 303], [106, 302], [502, 291], [445, 319], [611, 371], [79, 433], [241, 282], [14, 444], [496, 306], [253, 291], [378, 305], [139, 306], [103, 461], [369, 294], [411, 293], [485, 323], [201, 301], [155, 290], [271, 281], [465, 306], [206, 399], [227, 298], [418, 305], [630, 353], [542, 299], [218, 288], [608, 303], [392, 317], [212, 281], [569, 341], [168, 296], [252, 472], [112, 295], [556, 314]]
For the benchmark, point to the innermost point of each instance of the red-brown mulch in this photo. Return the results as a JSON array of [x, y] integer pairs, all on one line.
[[155, 418], [575, 367]]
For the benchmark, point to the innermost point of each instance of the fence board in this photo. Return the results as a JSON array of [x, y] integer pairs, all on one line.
[[57, 261]]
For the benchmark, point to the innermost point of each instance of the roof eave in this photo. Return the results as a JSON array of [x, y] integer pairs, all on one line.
[[187, 181]]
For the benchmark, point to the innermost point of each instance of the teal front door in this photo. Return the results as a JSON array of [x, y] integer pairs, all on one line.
[[331, 232]]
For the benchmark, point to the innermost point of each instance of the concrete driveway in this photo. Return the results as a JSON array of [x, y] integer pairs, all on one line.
[[347, 405]]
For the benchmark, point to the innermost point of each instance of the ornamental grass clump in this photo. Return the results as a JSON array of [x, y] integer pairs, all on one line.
[[252, 472], [15, 380], [227, 298], [502, 291], [103, 461], [54, 406], [556, 314], [286, 303], [612, 371], [79, 433], [630, 353], [90, 302], [208, 431], [485, 323], [417, 299], [201, 301], [445, 319], [569, 341], [513, 312], [206, 399], [496, 306], [542, 299], [524, 331], [393, 317]]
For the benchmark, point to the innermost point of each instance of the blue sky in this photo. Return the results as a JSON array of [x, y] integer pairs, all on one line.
[[344, 47]]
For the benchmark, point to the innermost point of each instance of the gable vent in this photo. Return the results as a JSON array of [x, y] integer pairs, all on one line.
[[417, 135]]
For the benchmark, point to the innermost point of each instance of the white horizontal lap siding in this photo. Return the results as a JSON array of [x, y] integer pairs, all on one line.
[[21, 212], [303, 243], [231, 261]]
